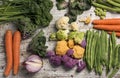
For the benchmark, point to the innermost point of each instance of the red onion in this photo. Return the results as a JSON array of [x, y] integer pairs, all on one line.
[[33, 63]]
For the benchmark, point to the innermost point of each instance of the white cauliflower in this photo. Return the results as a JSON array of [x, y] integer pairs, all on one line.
[[62, 23], [74, 26]]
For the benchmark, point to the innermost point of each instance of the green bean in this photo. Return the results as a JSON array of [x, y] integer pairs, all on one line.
[[87, 46], [89, 49], [106, 50], [94, 40], [110, 53], [114, 71], [113, 3], [96, 53], [113, 38], [118, 1], [105, 7]]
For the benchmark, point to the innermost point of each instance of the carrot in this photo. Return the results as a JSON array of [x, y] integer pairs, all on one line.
[[16, 51], [8, 48], [114, 21], [117, 33], [107, 27]]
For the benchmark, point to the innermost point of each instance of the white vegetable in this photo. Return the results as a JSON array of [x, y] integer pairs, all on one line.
[[74, 26], [62, 23]]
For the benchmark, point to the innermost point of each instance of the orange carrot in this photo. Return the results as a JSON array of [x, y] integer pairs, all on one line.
[[8, 48], [114, 21], [16, 51], [117, 33], [107, 27]]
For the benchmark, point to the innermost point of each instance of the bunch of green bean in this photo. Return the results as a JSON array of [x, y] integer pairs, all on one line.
[[100, 12], [101, 51]]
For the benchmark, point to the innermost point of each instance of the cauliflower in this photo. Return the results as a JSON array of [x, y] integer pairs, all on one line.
[[62, 34], [78, 52], [74, 26], [55, 60], [72, 35], [52, 36], [77, 36], [62, 23], [61, 47], [70, 43]]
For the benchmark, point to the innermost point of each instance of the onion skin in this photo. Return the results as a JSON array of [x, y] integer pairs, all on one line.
[[33, 64]]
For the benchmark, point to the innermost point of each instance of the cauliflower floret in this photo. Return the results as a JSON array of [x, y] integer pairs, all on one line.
[[62, 34], [78, 52], [61, 47], [62, 23], [71, 43], [74, 26]]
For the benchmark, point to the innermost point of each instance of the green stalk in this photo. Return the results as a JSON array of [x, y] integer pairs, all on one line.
[[113, 3], [10, 19], [12, 13], [118, 1], [114, 71], [105, 7]]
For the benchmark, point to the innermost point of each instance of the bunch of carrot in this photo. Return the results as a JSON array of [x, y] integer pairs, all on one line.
[[108, 25], [12, 47]]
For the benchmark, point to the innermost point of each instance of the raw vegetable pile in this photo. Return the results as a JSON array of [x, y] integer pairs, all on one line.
[[101, 52], [28, 15], [70, 45]]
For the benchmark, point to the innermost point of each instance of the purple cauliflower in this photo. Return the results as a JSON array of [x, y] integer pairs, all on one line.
[[83, 43], [50, 53], [55, 60], [65, 58], [70, 52], [71, 63], [80, 66]]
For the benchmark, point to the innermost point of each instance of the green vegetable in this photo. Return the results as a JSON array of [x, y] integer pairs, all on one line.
[[75, 7], [113, 46], [100, 12], [118, 1], [117, 62], [77, 36], [34, 13], [72, 34], [92, 50], [105, 7], [62, 5], [112, 2], [37, 45], [53, 36], [114, 71], [88, 49], [62, 35]]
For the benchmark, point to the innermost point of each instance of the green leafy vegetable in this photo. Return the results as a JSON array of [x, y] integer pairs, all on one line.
[[27, 14], [37, 45]]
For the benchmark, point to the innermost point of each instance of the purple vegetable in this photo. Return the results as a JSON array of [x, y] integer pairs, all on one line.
[[55, 60], [50, 53], [65, 58], [83, 43], [33, 63], [70, 52], [80, 66], [71, 63]]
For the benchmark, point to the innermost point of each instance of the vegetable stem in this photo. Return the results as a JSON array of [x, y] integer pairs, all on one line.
[[105, 7]]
